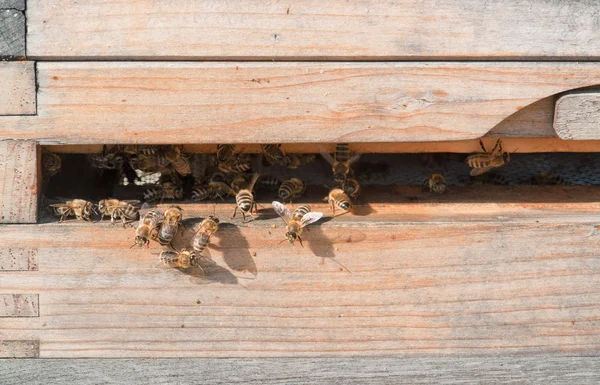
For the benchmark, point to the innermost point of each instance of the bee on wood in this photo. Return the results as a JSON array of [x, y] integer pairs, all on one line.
[[178, 161], [148, 227], [351, 187], [244, 199], [294, 161], [51, 163], [483, 162], [182, 259], [125, 210], [170, 224], [341, 161], [273, 153], [78, 208], [291, 189], [207, 228], [297, 221], [435, 183], [225, 152], [548, 179], [238, 164], [338, 198], [166, 190]]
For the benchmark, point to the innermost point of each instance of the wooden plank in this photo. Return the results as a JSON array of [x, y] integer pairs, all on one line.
[[19, 349], [114, 102], [577, 115], [12, 33], [364, 29], [532, 121], [17, 89], [18, 259], [19, 305], [425, 278], [540, 369], [19, 162]]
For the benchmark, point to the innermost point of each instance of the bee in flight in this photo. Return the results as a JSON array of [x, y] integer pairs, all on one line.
[[484, 162], [182, 259], [117, 209], [435, 183], [296, 221], [341, 161], [338, 198], [244, 199], [170, 224], [207, 228], [148, 227], [78, 208]]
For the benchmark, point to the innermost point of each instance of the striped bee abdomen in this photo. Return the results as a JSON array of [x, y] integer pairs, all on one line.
[[244, 200], [300, 212]]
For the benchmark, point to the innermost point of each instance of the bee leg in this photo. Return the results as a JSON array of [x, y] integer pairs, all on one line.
[[482, 146], [300, 240], [235, 212], [497, 146]]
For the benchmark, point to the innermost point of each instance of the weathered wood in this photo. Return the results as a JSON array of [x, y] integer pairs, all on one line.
[[14, 4], [12, 33], [532, 121], [365, 29], [91, 103], [17, 89], [425, 278], [19, 305], [577, 115], [19, 162], [19, 349], [538, 369], [18, 259]]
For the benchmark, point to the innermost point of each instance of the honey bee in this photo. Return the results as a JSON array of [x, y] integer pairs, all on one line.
[[78, 208], [338, 198], [490, 178], [290, 189], [220, 190], [238, 182], [207, 228], [199, 163], [125, 210], [236, 164], [297, 221], [268, 182], [166, 190], [483, 162], [273, 153], [435, 183], [150, 160], [225, 152], [178, 161], [351, 187], [182, 259], [170, 224], [51, 163], [245, 199], [294, 161], [148, 227], [341, 161], [548, 179], [110, 161]]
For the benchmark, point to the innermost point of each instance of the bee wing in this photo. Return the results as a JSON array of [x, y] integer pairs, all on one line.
[[58, 205], [132, 202], [328, 157], [310, 217], [282, 211], [253, 181], [354, 157], [479, 171]]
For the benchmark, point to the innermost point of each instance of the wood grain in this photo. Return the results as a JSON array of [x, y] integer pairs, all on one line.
[[577, 115], [18, 259], [532, 121], [19, 305], [18, 181], [17, 89], [425, 278], [12, 33], [364, 29], [19, 349], [111, 102]]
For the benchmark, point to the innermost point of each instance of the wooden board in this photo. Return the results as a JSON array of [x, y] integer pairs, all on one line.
[[19, 305], [17, 89], [18, 259], [12, 33], [19, 162], [19, 349], [338, 29], [455, 277], [91, 103], [532, 121], [577, 115]]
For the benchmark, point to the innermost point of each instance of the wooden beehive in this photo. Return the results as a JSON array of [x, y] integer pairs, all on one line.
[[499, 270]]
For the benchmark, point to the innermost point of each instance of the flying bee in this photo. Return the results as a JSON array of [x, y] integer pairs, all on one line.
[[484, 162], [148, 227], [297, 221], [51, 163], [225, 152], [182, 259], [351, 187], [166, 190], [341, 161], [125, 210], [78, 208], [294, 161], [290, 189], [169, 226], [338, 198], [435, 183], [273, 153], [207, 228], [178, 161], [241, 163], [244, 199]]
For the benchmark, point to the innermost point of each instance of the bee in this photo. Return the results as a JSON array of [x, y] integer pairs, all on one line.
[[268, 182], [152, 160], [199, 163], [273, 153], [125, 210], [225, 152], [483, 162], [172, 220], [294, 161], [108, 161], [237, 183], [207, 228], [51, 163], [548, 179], [178, 161], [244, 199], [341, 161], [290, 189], [148, 227], [338, 198], [220, 190], [166, 190], [182, 259], [435, 183], [297, 221], [200, 192], [351, 187], [78, 208], [236, 164]]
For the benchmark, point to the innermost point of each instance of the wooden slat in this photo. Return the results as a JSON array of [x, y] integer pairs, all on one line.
[[532, 121], [19, 305], [18, 259], [19, 349], [17, 89], [578, 115], [18, 181], [425, 278], [338, 29], [12, 33], [91, 103]]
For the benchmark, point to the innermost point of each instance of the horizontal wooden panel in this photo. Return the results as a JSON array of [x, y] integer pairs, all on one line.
[[19, 305], [12, 33], [18, 259], [427, 278], [110, 102], [533, 121], [19, 349], [17, 89], [577, 115], [365, 29], [18, 181]]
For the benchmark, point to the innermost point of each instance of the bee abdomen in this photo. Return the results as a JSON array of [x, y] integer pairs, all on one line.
[[200, 193], [300, 212], [225, 152], [200, 242], [291, 188], [244, 200], [169, 258], [269, 183], [342, 152]]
